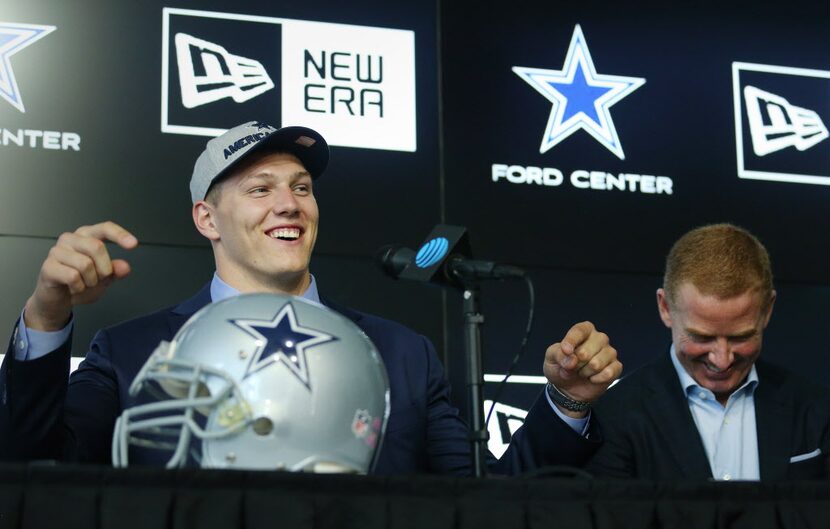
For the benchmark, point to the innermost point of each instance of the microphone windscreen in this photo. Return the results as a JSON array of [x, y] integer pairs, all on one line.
[[393, 258]]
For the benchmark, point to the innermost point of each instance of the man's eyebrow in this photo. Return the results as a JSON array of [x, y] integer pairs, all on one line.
[[264, 174], [694, 332], [700, 334], [745, 334]]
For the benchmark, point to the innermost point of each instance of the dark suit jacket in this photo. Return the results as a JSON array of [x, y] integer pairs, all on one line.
[[650, 433], [41, 417]]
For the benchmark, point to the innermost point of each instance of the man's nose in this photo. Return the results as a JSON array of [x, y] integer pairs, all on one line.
[[285, 203], [721, 354]]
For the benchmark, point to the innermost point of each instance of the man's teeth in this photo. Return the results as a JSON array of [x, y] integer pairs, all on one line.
[[713, 368], [286, 233]]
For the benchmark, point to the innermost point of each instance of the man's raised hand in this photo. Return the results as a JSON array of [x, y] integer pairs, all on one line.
[[77, 270], [583, 364]]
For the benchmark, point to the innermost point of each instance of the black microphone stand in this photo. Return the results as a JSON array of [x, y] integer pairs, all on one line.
[[473, 319], [454, 269]]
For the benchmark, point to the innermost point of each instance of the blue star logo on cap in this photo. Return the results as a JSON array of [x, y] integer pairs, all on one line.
[[260, 125], [282, 340], [581, 97], [13, 38]]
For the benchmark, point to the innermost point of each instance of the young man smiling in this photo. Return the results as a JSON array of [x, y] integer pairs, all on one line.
[[262, 224], [710, 408], [253, 199]]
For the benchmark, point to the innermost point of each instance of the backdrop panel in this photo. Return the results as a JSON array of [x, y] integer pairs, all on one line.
[[592, 135], [578, 141], [107, 131]]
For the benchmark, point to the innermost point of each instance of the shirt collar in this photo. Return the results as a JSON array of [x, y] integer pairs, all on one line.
[[220, 290], [688, 383]]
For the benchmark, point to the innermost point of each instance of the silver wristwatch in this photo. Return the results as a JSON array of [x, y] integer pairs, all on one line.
[[565, 401]]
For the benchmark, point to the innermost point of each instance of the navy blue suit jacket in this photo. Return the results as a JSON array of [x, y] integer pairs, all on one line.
[[651, 434], [43, 417]]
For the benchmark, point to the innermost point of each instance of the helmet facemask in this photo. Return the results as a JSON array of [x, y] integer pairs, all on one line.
[[221, 398]]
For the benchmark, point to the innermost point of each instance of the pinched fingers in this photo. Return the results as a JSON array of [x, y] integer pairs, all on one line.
[[594, 353], [109, 231], [577, 335], [581, 344], [87, 256], [77, 270], [610, 373], [556, 357], [602, 358], [585, 371], [84, 250], [80, 261], [66, 267], [562, 354]]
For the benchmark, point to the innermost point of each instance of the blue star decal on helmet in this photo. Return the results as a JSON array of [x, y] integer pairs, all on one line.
[[282, 340], [580, 96], [13, 38]]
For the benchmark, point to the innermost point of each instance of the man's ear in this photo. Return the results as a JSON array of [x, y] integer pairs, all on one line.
[[204, 217], [663, 307], [769, 309]]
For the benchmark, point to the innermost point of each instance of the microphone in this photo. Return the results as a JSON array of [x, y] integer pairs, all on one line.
[[445, 258], [393, 258], [473, 269], [441, 259]]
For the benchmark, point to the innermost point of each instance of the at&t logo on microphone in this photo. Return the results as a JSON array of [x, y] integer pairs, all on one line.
[[431, 252]]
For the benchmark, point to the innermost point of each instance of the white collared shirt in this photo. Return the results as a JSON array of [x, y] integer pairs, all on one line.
[[729, 433]]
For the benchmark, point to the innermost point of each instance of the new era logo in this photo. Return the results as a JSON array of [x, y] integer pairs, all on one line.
[[780, 114], [775, 124], [503, 424], [353, 84], [208, 72]]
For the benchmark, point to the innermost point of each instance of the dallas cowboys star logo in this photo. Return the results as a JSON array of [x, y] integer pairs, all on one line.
[[581, 97], [13, 38], [282, 340], [260, 125]]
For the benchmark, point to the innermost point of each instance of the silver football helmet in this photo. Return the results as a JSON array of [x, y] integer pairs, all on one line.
[[261, 381]]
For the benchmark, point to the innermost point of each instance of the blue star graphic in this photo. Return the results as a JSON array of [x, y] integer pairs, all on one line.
[[13, 38], [260, 125], [580, 96], [282, 340]]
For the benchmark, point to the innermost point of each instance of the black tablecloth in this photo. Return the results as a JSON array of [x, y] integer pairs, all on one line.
[[67, 496]]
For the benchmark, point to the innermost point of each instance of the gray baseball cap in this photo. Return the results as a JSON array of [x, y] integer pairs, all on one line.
[[226, 151]]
